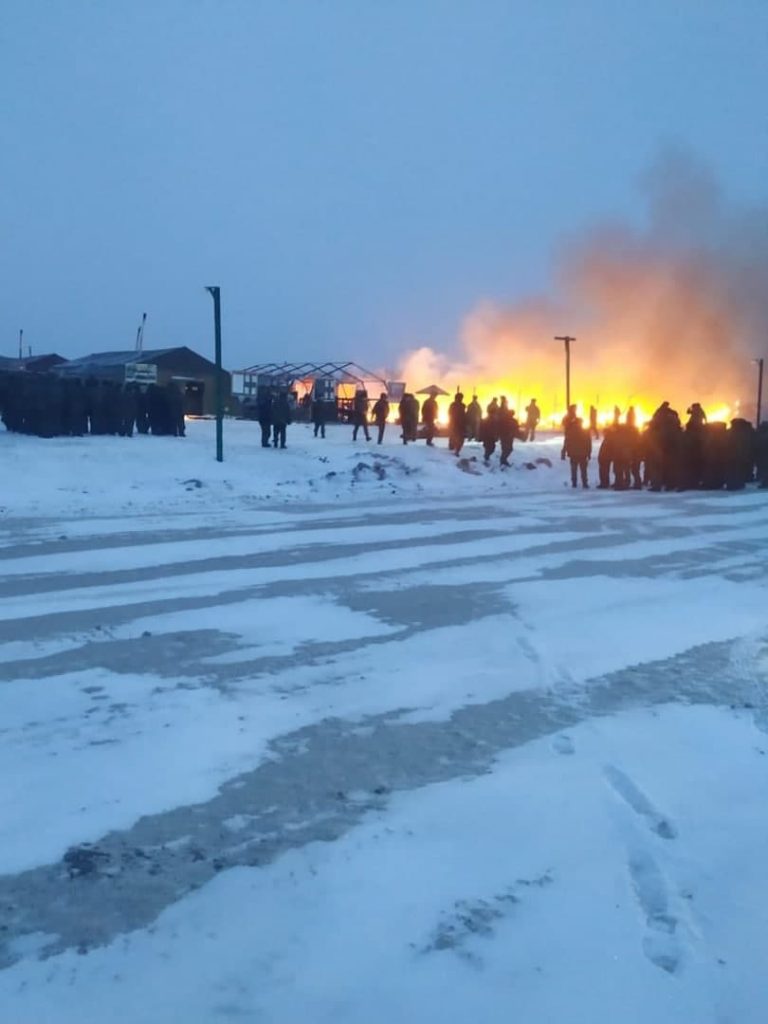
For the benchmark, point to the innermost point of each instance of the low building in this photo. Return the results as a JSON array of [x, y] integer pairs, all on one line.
[[33, 364], [194, 374]]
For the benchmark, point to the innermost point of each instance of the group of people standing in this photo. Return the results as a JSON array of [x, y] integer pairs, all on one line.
[[499, 425], [273, 411], [47, 405], [666, 455]]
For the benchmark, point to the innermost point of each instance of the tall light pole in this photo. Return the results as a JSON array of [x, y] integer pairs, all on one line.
[[21, 342], [216, 293], [140, 333], [760, 363], [567, 339]]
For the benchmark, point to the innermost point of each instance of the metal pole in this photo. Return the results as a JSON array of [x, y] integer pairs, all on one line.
[[140, 333], [760, 363], [21, 340], [567, 339], [568, 373], [216, 293]]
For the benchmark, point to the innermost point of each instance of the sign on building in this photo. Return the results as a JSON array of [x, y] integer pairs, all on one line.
[[141, 373]]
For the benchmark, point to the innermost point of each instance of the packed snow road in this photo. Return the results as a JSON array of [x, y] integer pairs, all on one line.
[[489, 751]]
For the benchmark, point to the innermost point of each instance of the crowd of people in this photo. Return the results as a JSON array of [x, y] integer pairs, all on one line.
[[47, 405], [667, 455]]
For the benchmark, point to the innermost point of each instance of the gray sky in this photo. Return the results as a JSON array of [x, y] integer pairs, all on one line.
[[356, 175]]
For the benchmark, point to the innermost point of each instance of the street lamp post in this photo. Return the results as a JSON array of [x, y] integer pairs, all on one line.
[[216, 294], [567, 339], [759, 410]]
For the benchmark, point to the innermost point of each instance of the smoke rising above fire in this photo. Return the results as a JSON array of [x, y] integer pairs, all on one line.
[[675, 309]]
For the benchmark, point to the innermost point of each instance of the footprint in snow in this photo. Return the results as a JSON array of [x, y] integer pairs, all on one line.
[[563, 744]]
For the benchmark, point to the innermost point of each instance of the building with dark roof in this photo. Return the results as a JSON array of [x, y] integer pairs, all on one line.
[[194, 374], [35, 364]]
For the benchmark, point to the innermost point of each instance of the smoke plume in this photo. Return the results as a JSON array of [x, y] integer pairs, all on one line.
[[676, 309]]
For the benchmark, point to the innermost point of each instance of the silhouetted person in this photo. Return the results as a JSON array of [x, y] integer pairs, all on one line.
[[380, 413], [177, 426], [532, 418], [605, 457], [318, 414], [740, 455], [281, 417], [264, 415], [578, 448], [489, 434], [761, 454], [569, 418], [142, 411], [696, 417], [474, 419], [509, 429], [360, 414], [631, 417], [409, 417], [128, 409], [429, 419], [457, 424]]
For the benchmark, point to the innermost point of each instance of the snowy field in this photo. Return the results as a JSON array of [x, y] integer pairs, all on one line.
[[358, 734]]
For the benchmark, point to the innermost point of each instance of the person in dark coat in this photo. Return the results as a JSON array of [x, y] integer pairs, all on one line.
[[665, 449], [740, 455], [409, 417], [142, 411], [159, 411], [509, 429], [429, 419], [360, 414], [78, 413], [569, 418], [605, 457], [714, 456], [693, 447], [532, 418], [457, 423], [578, 448], [696, 417], [625, 462], [489, 436], [128, 409], [281, 417], [474, 419], [380, 413], [318, 416], [176, 424], [264, 415], [761, 454]]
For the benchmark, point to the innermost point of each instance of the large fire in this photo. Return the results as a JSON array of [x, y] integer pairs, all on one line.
[[552, 416], [675, 311]]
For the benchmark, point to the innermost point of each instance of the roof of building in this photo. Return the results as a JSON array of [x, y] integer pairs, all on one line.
[[120, 358], [44, 361], [341, 372], [180, 357]]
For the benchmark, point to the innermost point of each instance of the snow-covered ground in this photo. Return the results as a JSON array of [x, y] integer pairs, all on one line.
[[359, 734]]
